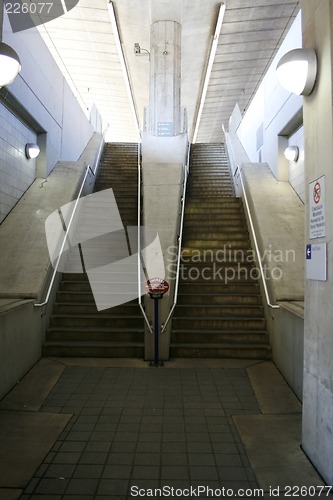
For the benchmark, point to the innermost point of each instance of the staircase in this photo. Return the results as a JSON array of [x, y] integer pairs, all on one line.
[[219, 312], [77, 328]]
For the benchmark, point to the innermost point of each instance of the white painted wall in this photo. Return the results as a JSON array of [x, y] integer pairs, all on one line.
[[41, 88], [272, 108], [17, 173]]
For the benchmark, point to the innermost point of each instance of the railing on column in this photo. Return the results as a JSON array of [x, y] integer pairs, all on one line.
[[90, 171], [139, 240], [180, 239]]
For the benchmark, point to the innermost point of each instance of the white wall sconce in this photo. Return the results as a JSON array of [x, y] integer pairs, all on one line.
[[31, 150], [10, 64], [297, 71], [291, 153]]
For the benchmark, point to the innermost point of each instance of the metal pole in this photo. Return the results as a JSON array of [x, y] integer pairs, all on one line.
[[156, 332]]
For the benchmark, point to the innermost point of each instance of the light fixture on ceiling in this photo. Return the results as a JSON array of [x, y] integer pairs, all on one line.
[[31, 150], [297, 71], [291, 153], [209, 68], [10, 64]]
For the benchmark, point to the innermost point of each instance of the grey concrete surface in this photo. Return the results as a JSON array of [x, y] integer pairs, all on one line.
[[30, 393], [272, 444], [192, 422], [272, 392], [278, 217], [26, 438]]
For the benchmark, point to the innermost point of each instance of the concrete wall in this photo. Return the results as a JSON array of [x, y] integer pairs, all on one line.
[[20, 341], [43, 91], [17, 172], [269, 114], [25, 266], [287, 342], [278, 215], [318, 342]]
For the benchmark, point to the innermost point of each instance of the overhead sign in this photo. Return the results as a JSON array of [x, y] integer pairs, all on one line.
[[317, 207], [316, 261]]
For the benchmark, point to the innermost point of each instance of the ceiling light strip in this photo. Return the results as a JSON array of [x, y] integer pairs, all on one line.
[[209, 68], [114, 24]]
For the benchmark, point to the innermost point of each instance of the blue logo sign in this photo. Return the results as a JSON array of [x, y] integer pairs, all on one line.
[[308, 252]]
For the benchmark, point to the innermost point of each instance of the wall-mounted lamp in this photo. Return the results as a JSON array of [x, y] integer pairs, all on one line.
[[10, 64], [297, 71], [31, 150], [291, 153], [139, 51]]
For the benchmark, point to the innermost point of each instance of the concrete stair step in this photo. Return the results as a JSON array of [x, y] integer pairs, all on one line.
[[223, 260], [196, 226], [122, 287], [82, 349], [71, 306], [210, 299], [213, 337], [218, 288], [212, 233], [94, 334], [216, 244], [220, 201], [100, 320], [225, 311], [211, 323], [207, 206], [224, 351]]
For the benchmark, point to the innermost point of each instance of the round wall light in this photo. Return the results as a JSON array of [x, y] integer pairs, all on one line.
[[291, 153], [297, 71], [31, 150], [10, 64]]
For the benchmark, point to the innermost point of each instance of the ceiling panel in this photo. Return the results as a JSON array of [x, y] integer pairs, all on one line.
[[84, 46]]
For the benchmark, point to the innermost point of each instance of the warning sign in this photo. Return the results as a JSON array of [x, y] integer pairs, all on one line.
[[317, 216]]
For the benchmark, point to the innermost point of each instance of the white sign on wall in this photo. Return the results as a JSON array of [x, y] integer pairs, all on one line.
[[316, 262], [317, 216]]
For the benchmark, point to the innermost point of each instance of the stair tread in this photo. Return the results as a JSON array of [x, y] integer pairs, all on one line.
[[214, 345], [100, 314], [220, 330], [99, 343], [110, 329]]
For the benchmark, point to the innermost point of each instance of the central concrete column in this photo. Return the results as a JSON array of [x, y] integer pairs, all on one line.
[[317, 23], [165, 79]]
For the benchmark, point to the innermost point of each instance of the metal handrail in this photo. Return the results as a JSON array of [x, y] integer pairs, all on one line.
[[139, 242], [186, 173], [55, 269], [254, 236]]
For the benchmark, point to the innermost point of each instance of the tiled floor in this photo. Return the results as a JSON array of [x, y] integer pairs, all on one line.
[[134, 430]]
